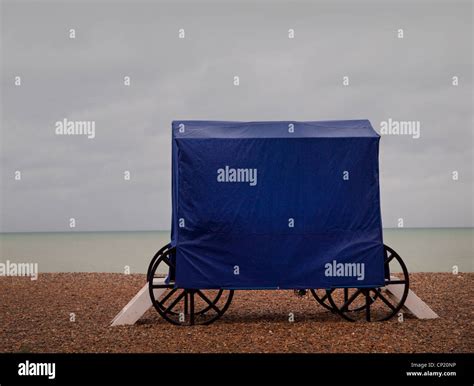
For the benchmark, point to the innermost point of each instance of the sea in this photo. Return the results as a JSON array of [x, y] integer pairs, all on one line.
[[422, 249]]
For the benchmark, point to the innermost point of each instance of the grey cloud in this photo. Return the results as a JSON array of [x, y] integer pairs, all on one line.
[[281, 79]]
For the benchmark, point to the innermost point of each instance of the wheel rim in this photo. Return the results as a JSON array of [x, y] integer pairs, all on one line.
[[321, 297], [183, 306], [374, 304], [155, 258]]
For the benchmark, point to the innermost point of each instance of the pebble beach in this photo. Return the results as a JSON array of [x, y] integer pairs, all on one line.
[[71, 313]]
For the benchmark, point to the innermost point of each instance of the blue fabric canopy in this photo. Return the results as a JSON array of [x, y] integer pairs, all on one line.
[[276, 205]]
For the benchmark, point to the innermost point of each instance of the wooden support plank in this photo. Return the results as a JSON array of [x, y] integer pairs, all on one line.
[[413, 303], [136, 307]]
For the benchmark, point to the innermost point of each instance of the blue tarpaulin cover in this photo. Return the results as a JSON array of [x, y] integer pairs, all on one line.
[[276, 205]]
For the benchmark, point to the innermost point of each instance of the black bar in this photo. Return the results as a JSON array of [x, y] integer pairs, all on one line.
[[260, 369]]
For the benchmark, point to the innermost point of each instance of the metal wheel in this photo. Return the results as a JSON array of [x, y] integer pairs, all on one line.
[[374, 304], [183, 306]]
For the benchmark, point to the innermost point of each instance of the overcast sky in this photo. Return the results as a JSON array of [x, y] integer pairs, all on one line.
[[407, 79]]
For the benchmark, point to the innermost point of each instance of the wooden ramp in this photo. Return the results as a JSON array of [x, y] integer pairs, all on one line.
[[413, 303], [137, 307]]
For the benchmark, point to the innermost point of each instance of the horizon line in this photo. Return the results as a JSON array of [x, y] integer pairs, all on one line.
[[169, 230]]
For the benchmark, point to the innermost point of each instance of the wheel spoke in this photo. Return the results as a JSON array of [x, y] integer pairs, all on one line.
[[346, 305], [168, 262], [186, 305], [168, 295], [384, 299], [211, 304], [367, 306], [191, 308], [162, 286], [327, 293], [389, 258], [395, 282], [172, 305], [207, 308]]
